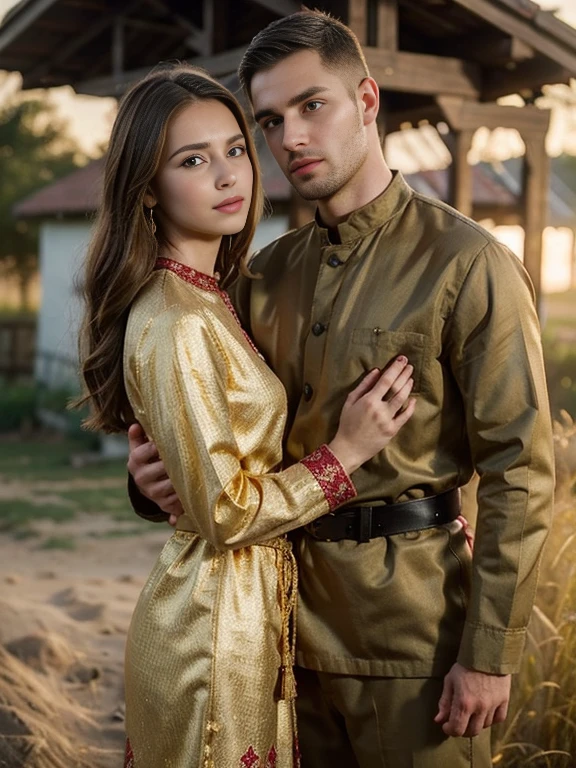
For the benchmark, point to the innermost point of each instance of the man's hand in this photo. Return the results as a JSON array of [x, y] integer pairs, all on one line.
[[472, 701], [149, 473]]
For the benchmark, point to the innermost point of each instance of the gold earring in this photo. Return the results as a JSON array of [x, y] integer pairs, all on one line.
[[152, 222]]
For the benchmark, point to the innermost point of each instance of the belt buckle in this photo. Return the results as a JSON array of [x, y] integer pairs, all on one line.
[[313, 527]]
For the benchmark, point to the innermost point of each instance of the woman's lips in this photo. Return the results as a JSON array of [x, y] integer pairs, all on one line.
[[230, 205]]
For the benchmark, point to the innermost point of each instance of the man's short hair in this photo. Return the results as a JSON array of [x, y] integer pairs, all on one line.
[[336, 44]]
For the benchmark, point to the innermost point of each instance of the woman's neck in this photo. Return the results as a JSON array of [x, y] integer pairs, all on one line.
[[199, 254]]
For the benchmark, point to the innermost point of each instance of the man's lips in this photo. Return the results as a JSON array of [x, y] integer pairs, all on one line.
[[301, 167], [230, 205]]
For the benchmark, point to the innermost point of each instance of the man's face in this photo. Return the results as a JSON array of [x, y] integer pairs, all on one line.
[[311, 123]]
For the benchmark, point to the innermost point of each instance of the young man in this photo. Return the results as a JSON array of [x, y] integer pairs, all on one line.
[[405, 645]]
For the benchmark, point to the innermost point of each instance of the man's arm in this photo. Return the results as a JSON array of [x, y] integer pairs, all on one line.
[[147, 480], [495, 355], [496, 359]]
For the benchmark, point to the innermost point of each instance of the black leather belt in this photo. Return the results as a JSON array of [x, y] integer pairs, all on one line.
[[364, 523]]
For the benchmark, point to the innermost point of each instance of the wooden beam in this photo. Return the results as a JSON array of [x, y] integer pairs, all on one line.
[[461, 114], [419, 73], [21, 20], [280, 7], [218, 65], [529, 77], [431, 113], [523, 28], [74, 44]]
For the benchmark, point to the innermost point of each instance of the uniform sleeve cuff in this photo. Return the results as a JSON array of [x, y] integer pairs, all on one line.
[[337, 486], [491, 649]]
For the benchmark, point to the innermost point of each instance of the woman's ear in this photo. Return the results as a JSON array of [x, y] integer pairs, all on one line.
[[369, 95], [149, 199]]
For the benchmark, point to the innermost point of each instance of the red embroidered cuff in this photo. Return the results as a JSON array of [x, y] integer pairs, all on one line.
[[331, 476]]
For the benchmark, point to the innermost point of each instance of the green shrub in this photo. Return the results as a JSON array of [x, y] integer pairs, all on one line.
[[18, 403]]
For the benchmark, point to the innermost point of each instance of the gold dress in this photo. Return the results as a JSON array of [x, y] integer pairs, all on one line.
[[210, 648]]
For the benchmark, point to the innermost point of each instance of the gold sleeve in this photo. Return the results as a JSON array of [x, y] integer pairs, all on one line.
[[497, 361], [183, 378]]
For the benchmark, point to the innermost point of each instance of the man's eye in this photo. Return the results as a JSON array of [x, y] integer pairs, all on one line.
[[313, 106], [237, 151], [272, 123], [192, 162]]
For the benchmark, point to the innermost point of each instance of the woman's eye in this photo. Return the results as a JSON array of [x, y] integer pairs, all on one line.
[[237, 151], [192, 162], [313, 106]]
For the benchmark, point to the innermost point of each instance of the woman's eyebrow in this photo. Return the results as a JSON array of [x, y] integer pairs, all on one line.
[[204, 145]]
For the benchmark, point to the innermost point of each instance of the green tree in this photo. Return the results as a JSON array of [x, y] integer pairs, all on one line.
[[35, 150]]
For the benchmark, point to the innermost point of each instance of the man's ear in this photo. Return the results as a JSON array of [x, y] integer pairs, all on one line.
[[369, 96]]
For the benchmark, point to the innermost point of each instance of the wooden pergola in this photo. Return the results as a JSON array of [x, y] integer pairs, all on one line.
[[435, 60]]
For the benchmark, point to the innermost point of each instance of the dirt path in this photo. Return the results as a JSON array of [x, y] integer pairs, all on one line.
[[79, 602]]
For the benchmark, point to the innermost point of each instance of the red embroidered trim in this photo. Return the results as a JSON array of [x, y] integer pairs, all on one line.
[[271, 759], [331, 476], [297, 753], [206, 283], [189, 274], [128, 756], [250, 758]]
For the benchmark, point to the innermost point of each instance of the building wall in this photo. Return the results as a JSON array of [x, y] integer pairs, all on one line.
[[62, 247]]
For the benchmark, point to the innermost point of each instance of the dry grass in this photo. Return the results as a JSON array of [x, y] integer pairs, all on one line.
[[541, 728]]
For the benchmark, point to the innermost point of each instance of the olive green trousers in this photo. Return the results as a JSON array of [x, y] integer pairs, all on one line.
[[373, 722]]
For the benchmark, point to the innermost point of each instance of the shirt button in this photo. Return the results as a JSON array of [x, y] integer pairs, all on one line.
[[308, 392], [334, 261], [318, 329]]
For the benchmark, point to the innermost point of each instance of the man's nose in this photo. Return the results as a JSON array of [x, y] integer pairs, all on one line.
[[294, 136]]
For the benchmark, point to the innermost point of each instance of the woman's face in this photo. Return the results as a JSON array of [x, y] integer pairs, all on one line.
[[203, 186]]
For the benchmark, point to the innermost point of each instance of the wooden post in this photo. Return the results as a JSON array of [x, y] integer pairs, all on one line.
[[358, 19], [535, 181], [460, 178], [387, 25], [118, 47]]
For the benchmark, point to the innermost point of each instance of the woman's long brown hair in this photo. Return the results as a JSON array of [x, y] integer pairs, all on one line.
[[123, 248]]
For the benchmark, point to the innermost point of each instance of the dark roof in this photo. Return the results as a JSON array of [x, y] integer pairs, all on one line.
[[496, 189]]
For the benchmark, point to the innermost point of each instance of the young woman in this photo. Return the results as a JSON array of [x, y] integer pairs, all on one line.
[[209, 652]]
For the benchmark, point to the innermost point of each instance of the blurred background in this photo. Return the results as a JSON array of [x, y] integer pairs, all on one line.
[[478, 109]]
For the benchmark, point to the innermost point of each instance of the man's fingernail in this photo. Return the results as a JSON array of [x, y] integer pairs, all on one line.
[[402, 359]]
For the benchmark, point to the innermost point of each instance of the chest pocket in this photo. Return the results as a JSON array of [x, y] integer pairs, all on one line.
[[377, 348]]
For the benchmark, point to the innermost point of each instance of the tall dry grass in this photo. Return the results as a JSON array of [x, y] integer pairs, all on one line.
[[541, 728]]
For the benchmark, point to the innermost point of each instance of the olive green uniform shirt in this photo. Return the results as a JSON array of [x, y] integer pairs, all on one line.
[[411, 275]]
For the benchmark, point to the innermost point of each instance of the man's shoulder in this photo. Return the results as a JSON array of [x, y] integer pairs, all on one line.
[[452, 226]]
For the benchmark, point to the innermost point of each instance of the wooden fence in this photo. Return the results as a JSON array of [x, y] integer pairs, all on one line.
[[17, 346]]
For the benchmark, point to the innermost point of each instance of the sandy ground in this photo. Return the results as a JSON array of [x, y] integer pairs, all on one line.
[[64, 615]]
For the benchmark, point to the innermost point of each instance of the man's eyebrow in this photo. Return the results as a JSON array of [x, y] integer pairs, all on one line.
[[204, 145], [298, 99]]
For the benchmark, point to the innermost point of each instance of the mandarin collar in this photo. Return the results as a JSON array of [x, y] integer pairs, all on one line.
[[372, 215]]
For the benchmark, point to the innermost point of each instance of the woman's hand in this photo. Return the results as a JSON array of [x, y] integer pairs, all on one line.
[[373, 413]]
